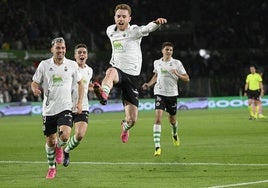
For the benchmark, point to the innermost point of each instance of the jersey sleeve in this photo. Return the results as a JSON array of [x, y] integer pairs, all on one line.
[[260, 78], [181, 68], [141, 31], [247, 79], [155, 67], [110, 29], [150, 27], [77, 75], [38, 75]]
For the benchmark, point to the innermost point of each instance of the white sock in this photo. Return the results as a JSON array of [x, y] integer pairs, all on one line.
[[157, 135], [51, 154], [174, 128]]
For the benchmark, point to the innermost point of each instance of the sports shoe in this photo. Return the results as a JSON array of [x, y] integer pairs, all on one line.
[[59, 154], [101, 95], [157, 152], [66, 159], [251, 118], [176, 140], [255, 116], [262, 116], [51, 173], [124, 134]]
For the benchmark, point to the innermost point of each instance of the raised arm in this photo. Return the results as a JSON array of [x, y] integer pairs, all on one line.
[[154, 25]]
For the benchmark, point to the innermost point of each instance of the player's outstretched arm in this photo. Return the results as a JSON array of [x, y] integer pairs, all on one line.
[[160, 21]]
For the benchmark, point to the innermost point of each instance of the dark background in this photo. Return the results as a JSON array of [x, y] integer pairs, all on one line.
[[234, 33]]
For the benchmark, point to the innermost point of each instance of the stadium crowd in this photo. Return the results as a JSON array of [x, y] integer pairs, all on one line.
[[232, 32]]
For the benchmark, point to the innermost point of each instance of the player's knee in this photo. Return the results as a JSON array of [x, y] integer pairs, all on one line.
[[65, 139], [64, 133], [131, 122], [79, 137], [111, 71], [51, 140], [173, 121]]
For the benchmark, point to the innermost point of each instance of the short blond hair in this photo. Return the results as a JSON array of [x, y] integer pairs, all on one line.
[[123, 7]]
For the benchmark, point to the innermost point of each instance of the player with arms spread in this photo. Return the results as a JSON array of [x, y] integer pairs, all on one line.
[[126, 62]]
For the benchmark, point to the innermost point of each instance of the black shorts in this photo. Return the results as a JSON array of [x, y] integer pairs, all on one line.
[[129, 85], [168, 104], [80, 117], [51, 123], [254, 94]]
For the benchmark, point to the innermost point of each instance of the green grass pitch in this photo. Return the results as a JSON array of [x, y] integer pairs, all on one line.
[[219, 148]]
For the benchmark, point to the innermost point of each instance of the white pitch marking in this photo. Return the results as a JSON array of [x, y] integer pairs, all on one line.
[[239, 184], [137, 163]]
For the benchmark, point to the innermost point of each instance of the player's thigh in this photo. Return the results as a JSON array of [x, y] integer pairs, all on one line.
[[112, 73]]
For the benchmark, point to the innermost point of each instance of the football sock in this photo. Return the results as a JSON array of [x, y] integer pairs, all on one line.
[[126, 126], [50, 155], [156, 135], [174, 128], [106, 89], [60, 143], [260, 109], [73, 143], [250, 110], [257, 110]]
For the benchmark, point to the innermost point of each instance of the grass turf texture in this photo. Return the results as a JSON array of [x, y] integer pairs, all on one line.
[[218, 147]]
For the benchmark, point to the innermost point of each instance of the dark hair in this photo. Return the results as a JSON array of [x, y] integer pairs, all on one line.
[[167, 44], [58, 39], [123, 7], [80, 46]]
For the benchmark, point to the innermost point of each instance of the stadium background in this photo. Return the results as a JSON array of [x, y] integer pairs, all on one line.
[[232, 35]]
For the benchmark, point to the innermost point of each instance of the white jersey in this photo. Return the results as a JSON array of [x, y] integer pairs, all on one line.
[[57, 82], [126, 49], [167, 82], [86, 73]]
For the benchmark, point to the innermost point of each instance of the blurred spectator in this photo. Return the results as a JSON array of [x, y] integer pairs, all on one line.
[[1, 96], [233, 32]]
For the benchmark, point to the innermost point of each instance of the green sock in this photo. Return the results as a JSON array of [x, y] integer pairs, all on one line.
[[106, 89], [60, 143], [257, 110], [157, 135], [126, 126], [51, 154], [73, 143], [174, 128], [250, 110]]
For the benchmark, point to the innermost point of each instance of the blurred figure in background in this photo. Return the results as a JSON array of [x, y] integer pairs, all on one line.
[[253, 90], [260, 115]]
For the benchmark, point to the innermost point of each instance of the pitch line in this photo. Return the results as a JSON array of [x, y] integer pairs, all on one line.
[[240, 184], [136, 163]]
